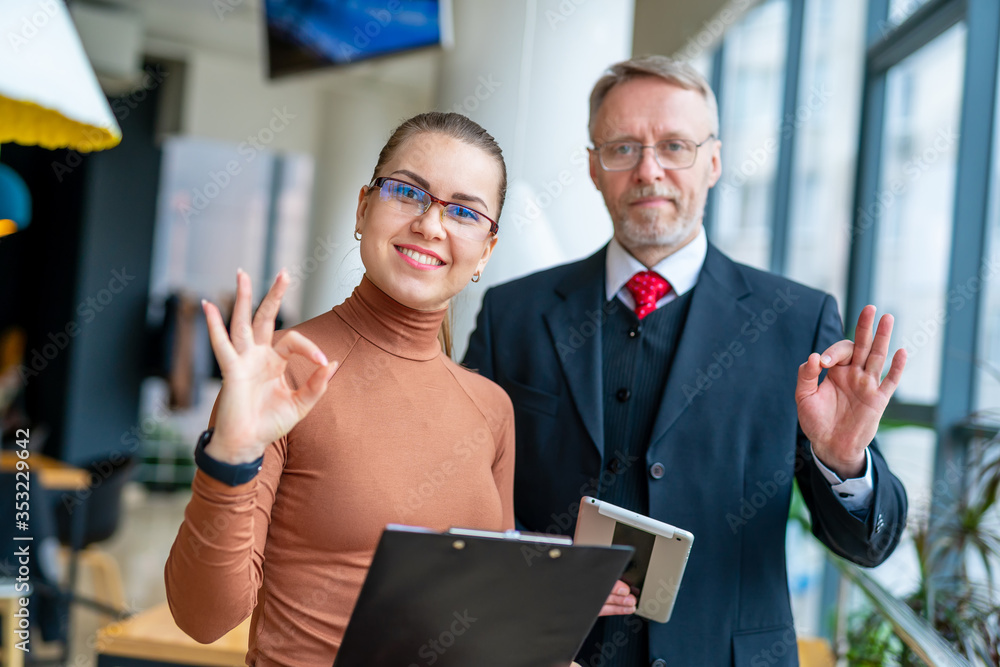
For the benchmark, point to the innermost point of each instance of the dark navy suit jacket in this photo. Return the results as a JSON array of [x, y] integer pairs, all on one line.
[[724, 450]]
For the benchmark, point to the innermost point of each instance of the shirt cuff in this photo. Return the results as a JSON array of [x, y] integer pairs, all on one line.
[[855, 494]]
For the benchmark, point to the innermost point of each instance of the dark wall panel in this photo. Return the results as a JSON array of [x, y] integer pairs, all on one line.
[[112, 287], [77, 280]]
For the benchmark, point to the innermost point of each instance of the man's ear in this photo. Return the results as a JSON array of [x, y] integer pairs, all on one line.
[[595, 165], [716, 173]]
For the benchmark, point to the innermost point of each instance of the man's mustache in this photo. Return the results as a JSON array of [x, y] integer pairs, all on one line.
[[653, 190]]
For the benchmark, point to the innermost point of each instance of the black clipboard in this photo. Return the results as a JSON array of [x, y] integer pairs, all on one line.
[[473, 598]]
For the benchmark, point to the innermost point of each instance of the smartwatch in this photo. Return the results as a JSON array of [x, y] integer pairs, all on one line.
[[227, 473]]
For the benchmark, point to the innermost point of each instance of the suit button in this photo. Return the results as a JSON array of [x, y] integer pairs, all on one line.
[[634, 331], [615, 466], [656, 472], [659, 662], [624, 394]]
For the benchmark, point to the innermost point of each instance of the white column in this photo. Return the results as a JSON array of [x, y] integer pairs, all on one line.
[[524, 69]]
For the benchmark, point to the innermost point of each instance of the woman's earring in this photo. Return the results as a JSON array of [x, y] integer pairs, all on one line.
[[476, 277], [357, 235]]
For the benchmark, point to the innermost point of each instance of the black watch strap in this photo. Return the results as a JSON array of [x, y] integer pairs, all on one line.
[[227, 473]]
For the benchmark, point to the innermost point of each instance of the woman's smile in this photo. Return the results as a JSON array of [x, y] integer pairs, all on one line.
[[419, 257]]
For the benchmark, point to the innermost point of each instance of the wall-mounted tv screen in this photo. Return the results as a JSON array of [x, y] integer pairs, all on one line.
[[309, 34]]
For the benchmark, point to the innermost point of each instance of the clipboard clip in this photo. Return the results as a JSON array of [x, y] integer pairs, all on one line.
[[553, 541], [515, 535]]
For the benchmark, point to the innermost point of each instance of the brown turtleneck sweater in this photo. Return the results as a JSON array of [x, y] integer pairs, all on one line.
[[402, 435]]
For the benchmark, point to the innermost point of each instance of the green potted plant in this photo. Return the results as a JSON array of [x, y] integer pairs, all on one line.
[[962, 611]]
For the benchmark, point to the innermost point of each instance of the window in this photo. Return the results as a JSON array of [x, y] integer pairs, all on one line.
[[987, 370], [826, 121], [753, 81], [909, 451], [916, 204]]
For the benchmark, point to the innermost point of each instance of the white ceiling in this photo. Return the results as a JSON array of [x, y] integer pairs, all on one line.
[[176, 28], [666, 26]]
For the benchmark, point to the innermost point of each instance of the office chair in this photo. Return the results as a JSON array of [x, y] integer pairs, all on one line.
[[101, 503]]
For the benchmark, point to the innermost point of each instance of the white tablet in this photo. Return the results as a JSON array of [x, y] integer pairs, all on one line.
[[661, 552]]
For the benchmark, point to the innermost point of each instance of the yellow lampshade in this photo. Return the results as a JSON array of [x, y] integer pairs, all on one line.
[[49, 95]]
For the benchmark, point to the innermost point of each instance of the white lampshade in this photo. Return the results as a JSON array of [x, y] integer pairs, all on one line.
[[49, 95]]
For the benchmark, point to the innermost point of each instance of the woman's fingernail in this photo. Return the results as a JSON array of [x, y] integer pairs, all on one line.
[[827, 358], [320, 359]]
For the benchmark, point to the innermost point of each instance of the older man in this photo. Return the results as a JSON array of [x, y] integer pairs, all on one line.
[[661, 376]]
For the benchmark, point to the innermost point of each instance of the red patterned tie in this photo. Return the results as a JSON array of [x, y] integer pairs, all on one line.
[[647, 287]]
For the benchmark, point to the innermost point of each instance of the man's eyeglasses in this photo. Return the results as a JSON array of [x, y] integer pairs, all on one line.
[[669, 153], [457, 219]]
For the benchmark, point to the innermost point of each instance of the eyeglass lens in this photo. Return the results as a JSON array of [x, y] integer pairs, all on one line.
[[670, 154], [411, 199]]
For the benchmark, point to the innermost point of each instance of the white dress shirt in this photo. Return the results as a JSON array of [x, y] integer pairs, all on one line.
[[681, 270]]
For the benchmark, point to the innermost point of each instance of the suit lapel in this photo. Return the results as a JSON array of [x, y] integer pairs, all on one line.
[[575, 327], [715, 319]]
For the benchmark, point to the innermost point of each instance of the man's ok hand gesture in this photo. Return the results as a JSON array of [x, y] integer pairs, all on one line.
[[841, 415]]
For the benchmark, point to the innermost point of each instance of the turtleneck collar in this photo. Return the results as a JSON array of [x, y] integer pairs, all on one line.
[[391, 326]]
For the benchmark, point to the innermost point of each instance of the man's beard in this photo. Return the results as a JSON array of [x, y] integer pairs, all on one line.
[[645, 227]]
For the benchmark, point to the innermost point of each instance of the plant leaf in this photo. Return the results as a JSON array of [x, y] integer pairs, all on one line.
[[918, 635]]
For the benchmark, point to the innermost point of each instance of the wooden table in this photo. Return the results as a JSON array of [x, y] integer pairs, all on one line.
[[52, 473], [152, 638]]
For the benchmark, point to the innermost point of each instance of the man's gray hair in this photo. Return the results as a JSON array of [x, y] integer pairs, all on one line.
[[677, 72]]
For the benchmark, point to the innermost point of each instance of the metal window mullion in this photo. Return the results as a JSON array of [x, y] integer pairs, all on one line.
[[911, 414], [864, 229], [860, 276], [923, 27], [712, 201], [787, 137], [969, 236], [878, 15]]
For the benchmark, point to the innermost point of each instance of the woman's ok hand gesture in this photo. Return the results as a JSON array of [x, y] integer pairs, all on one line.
[[256, 406]]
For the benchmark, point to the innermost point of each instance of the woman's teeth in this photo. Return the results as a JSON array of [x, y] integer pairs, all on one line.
[[420, 257]]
